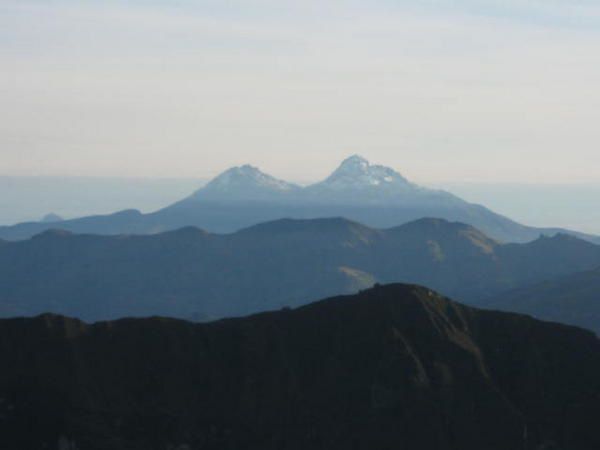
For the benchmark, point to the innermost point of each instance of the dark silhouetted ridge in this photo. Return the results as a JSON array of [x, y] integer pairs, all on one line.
[[395, 366]]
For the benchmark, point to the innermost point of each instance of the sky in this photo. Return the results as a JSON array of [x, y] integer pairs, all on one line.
[[443, 91]]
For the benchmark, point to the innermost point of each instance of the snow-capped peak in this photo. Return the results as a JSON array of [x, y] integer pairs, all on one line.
[[246, 182], [355, 180], [356, 162], [357, 172]]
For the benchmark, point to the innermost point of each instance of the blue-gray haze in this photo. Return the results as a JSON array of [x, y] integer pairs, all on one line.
[[572, 206]]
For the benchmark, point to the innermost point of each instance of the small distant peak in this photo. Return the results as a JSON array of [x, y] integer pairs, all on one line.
[[50, 218]]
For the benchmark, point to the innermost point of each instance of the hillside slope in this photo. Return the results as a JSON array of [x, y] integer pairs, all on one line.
[[192, 273]]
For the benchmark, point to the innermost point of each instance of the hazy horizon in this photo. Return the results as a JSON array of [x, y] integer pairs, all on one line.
[[30, 198], [502, 91]]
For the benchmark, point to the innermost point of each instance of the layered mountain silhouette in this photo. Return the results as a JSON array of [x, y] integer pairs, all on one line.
[[573, 299], [396, 366], [243, 196], [190, 273]]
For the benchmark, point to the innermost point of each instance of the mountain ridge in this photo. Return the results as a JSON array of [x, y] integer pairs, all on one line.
[[354, 181], [189, 272], [572, 299], [396, 365], [375, 195]]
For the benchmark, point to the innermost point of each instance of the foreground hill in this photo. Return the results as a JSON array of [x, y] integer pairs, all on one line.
[[190, 273], [393, 367], [573, 299], [243, 196]]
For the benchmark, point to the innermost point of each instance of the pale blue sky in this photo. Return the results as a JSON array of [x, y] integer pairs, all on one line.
[[441, 90]]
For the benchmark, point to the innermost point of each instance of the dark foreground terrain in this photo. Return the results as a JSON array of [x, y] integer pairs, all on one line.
[[394, 367]]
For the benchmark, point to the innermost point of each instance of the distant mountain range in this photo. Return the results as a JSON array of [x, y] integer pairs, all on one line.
[[243, 196], [572, 299], [393, 367], [190, 273]]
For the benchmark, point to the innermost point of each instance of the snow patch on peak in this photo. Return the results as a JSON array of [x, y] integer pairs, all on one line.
[[357, 172], [355, 161], [246, 176], [245, 182]]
